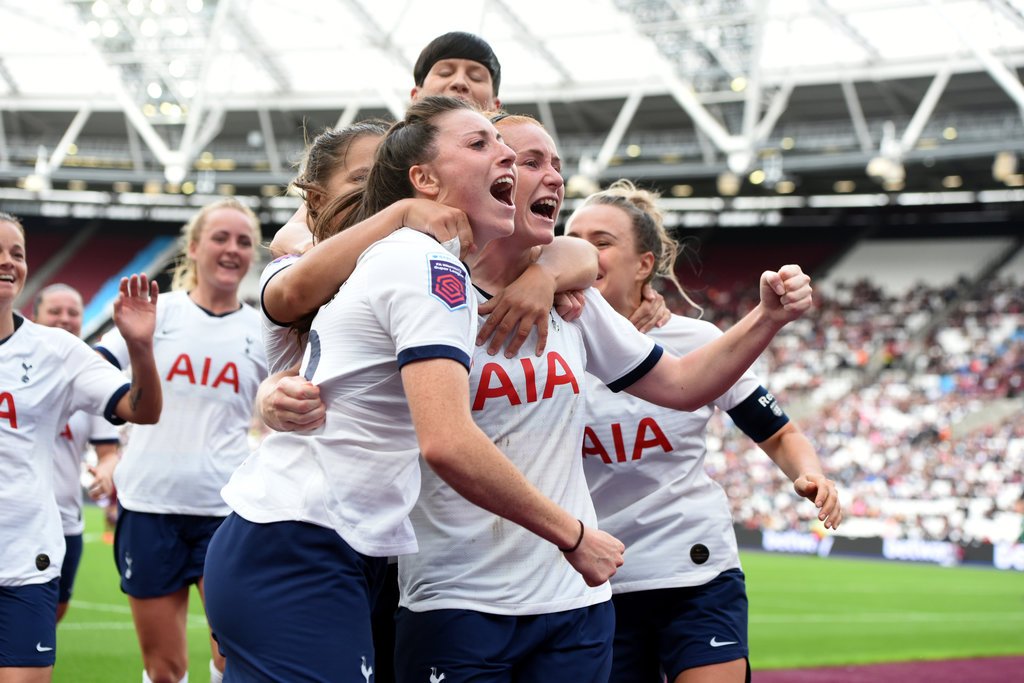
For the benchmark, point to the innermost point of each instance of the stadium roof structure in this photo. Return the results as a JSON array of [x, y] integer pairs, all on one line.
[[775, 100]]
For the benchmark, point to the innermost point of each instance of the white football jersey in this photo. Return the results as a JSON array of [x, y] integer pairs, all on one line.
[[645, 468], [210, 368], [69, 447], [533, 409], [46, 375], [281, 343], [359, 473]]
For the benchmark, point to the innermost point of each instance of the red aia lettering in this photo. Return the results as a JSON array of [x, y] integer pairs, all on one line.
[[648, 435], [559, 373], [183, 367], [66, 433], [7, 409]]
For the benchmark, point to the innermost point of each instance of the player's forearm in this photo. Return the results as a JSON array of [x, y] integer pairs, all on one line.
[[480, 473], [701, 376], [144, 400], [792, 452], [571, 261], [315, 278]]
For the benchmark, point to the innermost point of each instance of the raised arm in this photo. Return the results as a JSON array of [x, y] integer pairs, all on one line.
[[567, 264], [699, 377], [463, 456], [135, 318], [308, 284]]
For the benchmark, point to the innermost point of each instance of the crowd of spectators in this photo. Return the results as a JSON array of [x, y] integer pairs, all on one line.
[[913, 401]]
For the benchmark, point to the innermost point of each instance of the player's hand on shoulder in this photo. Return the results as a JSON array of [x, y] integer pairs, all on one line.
[[786, 294], [652, 312], [569, 305], [598, 556], [513, 312]]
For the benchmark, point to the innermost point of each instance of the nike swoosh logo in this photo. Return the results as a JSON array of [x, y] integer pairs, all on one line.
[[40, 648], [721, 643]]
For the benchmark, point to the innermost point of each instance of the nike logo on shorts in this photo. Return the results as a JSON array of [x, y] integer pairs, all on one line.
[[721, 643], [40, 648]]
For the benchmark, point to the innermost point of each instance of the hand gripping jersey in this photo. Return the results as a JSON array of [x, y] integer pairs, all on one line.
[[81, 430], [645, 468], [359, 473], [210, 368], [283, 346], [533, 409], [46, 374]]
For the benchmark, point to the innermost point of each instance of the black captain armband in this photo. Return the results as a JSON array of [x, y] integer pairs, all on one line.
[[759, 415]]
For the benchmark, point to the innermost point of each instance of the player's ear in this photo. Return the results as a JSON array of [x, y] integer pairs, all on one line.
[[424, 181]]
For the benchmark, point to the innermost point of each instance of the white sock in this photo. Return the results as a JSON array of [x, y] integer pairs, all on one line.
[[216, 676]]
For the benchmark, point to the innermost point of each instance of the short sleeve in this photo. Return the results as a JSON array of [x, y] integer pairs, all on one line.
[[113, 347], [425, 302], [96, 386], [102, 432], [617, 353], [273, 269]]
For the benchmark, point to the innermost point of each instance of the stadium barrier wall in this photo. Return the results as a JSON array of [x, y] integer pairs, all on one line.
[[1005, 556]]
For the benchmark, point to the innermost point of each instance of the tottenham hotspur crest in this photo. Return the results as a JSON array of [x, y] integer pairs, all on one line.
[[26, 367]]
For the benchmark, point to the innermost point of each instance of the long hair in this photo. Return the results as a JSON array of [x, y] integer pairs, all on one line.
[[328, 152], [408, 142], [649, 231]]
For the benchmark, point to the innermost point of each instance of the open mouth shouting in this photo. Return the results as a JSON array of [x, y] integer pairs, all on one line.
[[502, 189], [545, 208]]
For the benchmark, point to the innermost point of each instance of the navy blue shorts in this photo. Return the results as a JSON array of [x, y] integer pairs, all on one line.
[[463, 646], [673, 629], [159, 554], [28, 624], [291, 601], [68, 570]]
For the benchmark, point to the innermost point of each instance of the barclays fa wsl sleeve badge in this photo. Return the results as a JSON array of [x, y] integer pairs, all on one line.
[[447, 283]]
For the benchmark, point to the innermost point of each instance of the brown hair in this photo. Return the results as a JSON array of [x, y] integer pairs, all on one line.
[[185, 277], [649, 230], [328, 152], [408, 142]]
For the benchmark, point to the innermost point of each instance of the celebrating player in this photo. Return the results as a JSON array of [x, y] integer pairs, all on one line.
[[59, 305], [168, 482], [680, 601], [46, 376], [483, 600], [390, 354]]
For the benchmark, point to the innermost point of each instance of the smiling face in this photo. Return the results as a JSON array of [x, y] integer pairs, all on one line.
[[13, 266], [224, 249], [540, 188], [61, 308], [621, 271], [473, 170], [461, 78]]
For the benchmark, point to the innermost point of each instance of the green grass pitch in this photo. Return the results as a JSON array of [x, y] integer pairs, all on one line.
[[805, 611]]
